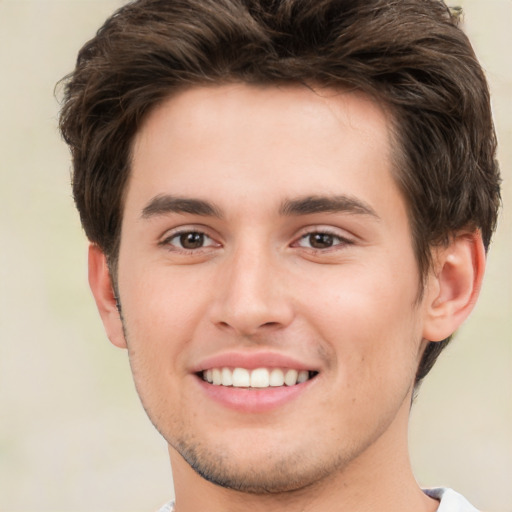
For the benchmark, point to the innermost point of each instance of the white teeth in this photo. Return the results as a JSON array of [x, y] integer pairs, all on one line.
[[241, 378], [303, 376], [276, 377], [216, 377], [260, 378], [290, 377], [227, 377], [257, 378]]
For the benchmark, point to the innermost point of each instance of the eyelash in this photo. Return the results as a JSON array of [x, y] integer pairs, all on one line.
[[339, 241], [166, 242]]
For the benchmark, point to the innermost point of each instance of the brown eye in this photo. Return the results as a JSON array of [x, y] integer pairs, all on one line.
[[188, 241], [320, 240], [192, 240]]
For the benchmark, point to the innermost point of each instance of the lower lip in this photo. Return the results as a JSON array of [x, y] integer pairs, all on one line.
[[253, 400]]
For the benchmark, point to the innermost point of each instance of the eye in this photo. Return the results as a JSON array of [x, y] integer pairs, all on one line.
[[189, 240], [321, 240]]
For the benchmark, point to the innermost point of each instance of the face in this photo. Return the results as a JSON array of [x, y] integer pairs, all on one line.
[[268, 283]]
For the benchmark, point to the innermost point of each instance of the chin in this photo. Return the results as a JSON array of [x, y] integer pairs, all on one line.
[[266, 472]]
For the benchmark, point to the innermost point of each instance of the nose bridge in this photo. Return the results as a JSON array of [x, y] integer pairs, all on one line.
[[252, 293]]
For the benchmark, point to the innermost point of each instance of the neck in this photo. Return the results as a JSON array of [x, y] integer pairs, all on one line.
[[379, 479]]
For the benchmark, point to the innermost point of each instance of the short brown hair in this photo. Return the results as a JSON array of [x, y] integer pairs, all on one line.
[[408, 54]]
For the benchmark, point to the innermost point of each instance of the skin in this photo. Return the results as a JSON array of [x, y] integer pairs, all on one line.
[[259, 283]]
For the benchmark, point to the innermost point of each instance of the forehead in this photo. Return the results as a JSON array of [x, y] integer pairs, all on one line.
[[321, 109], [240, 141]]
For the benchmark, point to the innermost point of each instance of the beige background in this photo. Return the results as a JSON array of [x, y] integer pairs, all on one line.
[[73, 436]]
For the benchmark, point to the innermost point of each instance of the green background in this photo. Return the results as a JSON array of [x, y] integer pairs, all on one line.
[[73, 436]]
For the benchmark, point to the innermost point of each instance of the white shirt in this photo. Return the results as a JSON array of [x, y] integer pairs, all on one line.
[[450, 501]]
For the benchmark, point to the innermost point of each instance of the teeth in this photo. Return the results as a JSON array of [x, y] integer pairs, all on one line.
[[241, 378], [216, 377], [290, 377], [258, 378], [303, 376], [227, 377], [276, 377]]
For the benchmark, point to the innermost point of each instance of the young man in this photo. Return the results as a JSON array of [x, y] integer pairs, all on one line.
[[288, 204]]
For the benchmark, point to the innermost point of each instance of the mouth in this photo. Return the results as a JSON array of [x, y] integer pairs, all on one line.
[[257, 378]]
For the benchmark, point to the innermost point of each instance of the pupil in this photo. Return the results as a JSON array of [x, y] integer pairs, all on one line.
[[192, 240], [321, 240]]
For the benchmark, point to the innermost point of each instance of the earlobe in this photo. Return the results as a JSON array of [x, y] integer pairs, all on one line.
[[101, 287], [454, 285]]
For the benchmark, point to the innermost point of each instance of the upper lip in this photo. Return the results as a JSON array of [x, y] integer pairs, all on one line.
[[251, 361]]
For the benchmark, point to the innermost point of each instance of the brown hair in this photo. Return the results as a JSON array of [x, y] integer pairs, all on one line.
[[408, 54]]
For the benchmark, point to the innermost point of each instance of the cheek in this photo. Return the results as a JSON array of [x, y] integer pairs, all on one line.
[[161, 298], [370, 321], [158, 322], [160, 316]]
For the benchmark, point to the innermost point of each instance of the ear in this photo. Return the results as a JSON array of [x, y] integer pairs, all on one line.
[[453, 285], [102, 289]]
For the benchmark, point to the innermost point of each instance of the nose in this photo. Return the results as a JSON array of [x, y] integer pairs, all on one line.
[[252, 296]]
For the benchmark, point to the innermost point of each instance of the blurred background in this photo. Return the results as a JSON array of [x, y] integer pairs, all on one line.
[[73, 436]]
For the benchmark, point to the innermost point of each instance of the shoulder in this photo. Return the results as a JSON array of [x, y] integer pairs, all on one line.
[[450, 501]]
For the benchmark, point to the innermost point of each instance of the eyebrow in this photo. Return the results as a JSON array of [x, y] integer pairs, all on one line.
[[326, 204], [164, 204]]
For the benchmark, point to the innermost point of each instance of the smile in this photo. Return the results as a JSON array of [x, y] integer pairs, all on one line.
[[257, 378]]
